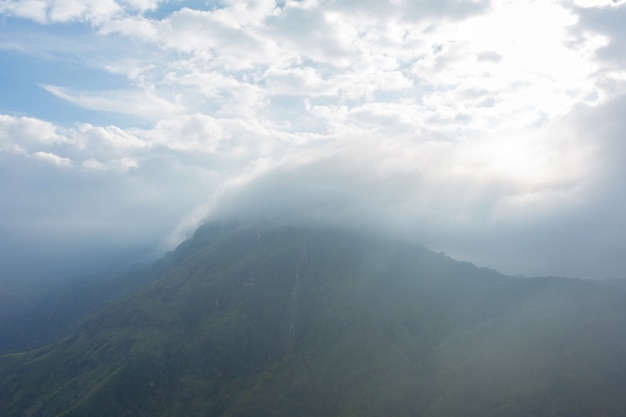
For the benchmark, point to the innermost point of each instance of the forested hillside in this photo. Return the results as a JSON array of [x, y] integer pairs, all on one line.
[[275, 321]]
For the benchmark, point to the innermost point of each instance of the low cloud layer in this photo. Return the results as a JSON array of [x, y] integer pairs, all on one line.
[[488, 130], [529, 208]]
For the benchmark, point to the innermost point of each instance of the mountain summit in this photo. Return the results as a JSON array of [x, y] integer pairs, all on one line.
[[283, 321]]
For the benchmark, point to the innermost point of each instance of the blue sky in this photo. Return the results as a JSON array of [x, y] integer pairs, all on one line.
[[491, 130]]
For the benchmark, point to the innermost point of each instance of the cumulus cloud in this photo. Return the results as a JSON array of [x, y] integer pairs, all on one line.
[[58, 11], [607, 22], [52, 158], [17, 131], [62, 11]]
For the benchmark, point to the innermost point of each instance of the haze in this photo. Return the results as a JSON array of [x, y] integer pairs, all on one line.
[[491, 130]]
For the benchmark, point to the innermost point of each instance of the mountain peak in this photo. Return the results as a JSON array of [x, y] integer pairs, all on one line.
[[284, 321]]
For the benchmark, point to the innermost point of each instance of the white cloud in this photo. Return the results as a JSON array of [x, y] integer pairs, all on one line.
[[202, 32], [297, 81], [465, 198], [52, 158], [95, 189], [27, 9], [20, 134], [143, 5], [134, 27], [92, 163], [66, 10], [597, 3], [195, 133], [457, 121], [61, 11], [110, 140], [144, 104], [434, 184]]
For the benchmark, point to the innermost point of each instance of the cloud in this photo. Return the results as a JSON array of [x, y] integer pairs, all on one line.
[[606, 21], [20, 134], [60, 11], [434, 183], [488, 129], [52, 158], [142, 104], [94, 194], [63, 11], [525, 206], [28, 9], [143, 5]]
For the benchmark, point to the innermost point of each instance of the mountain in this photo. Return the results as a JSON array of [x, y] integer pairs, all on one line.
[[253, 321], [35, 313]]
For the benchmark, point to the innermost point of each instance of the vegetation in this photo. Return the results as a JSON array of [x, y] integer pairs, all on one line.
[[260, 321], [35, 313]]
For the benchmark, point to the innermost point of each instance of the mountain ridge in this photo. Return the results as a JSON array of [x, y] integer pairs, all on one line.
[[293, 321]]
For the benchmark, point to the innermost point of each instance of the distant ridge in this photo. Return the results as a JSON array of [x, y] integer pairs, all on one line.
[[244, 321]]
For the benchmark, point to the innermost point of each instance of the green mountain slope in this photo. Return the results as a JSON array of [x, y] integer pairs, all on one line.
[[33, 314], [260, 321]]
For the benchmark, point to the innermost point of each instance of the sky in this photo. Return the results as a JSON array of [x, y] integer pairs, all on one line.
[[492, 131]]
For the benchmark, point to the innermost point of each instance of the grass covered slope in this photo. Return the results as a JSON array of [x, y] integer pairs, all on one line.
[[299, 322]]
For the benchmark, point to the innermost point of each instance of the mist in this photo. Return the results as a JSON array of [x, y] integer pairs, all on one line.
[[564, 218]]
